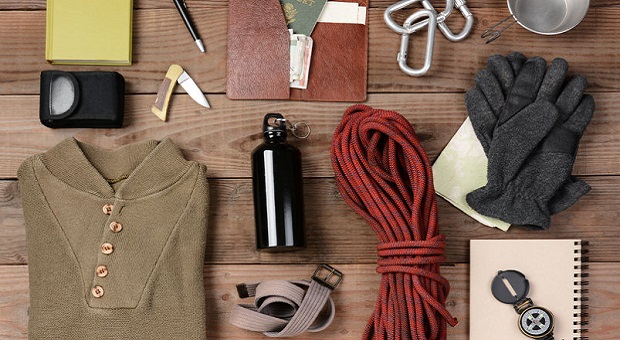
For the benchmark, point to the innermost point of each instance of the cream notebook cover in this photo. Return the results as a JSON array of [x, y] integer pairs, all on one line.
[[92, 32], [554, 271]]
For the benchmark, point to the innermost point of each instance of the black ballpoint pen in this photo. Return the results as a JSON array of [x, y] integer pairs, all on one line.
[[182, 8]]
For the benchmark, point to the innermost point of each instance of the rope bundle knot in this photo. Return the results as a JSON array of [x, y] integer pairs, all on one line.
[[384, 175], [411, 257]]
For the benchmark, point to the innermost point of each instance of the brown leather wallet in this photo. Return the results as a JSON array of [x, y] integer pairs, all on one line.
[[258, 56]]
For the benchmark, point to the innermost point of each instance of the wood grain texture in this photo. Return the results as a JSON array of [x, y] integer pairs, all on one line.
[[160, 39], [141, 4], [354, 299], [223, 137], [330, 224]]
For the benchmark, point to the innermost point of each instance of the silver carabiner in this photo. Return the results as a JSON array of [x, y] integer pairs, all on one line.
[[441, 17], [417, 21], [410, 28], [461, 5], [387, 15]]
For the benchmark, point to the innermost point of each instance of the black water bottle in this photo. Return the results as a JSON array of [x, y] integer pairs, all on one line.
[[277, 186]]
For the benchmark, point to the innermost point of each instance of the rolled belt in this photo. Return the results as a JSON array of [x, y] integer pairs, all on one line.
[[288, 308]]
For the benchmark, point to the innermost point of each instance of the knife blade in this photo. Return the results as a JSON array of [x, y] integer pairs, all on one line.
[[192, 89], [175, 75]]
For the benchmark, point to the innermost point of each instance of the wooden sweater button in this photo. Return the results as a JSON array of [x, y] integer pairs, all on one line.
[[97, 291], [107, 248], [102, 271], [116, 227], [107, 209]]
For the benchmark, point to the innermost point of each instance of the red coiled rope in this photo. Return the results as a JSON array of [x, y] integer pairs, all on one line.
[[383, 173]]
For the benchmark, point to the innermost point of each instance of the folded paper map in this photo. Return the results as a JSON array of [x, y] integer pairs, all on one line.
[[462, 168]]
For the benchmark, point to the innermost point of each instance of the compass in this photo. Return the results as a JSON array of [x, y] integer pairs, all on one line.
[[536, 322], [511, 287]]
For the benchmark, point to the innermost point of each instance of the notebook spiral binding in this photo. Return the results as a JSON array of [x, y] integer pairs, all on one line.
[[580, 308]]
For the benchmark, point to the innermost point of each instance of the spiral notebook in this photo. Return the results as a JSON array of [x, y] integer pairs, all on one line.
[[556, 272]]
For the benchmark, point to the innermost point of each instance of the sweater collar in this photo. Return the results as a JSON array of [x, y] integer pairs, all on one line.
[[129, 172]]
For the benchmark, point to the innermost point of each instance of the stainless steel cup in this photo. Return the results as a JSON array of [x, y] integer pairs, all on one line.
[[548, 16], [541, 16]]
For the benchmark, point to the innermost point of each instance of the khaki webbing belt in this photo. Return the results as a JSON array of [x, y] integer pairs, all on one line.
[[288, 308]]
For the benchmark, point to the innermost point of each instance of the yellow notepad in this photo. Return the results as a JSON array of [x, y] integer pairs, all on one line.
[[93, 32]]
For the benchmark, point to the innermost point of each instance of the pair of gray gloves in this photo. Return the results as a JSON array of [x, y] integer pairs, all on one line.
[[529, 120]]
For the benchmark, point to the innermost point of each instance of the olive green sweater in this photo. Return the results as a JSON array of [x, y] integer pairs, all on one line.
[[116, 242]]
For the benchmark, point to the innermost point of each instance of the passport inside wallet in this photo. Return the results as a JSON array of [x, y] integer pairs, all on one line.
[[258, 56]]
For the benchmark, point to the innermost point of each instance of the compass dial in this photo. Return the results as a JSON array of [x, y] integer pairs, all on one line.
[[536, 322]]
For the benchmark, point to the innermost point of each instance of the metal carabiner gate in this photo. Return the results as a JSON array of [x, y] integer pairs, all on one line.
[[410, 28]]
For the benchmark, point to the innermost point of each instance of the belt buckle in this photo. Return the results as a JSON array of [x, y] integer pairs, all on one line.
[[331, 279]]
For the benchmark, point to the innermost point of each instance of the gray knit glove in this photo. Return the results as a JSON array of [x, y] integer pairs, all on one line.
[[530, 138], [485, 103]]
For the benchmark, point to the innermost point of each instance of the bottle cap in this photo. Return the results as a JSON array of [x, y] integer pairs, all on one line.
[[274, 125]]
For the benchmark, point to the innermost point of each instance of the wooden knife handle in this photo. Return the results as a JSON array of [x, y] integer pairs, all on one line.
[[160, 108]]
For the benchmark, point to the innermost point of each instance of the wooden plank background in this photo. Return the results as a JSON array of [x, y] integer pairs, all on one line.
[[223, 138]]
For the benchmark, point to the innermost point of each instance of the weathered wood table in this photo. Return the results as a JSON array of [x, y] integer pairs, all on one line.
[[223, 138]]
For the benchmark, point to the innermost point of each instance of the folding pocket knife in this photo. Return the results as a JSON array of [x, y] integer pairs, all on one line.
[[176, 74]]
